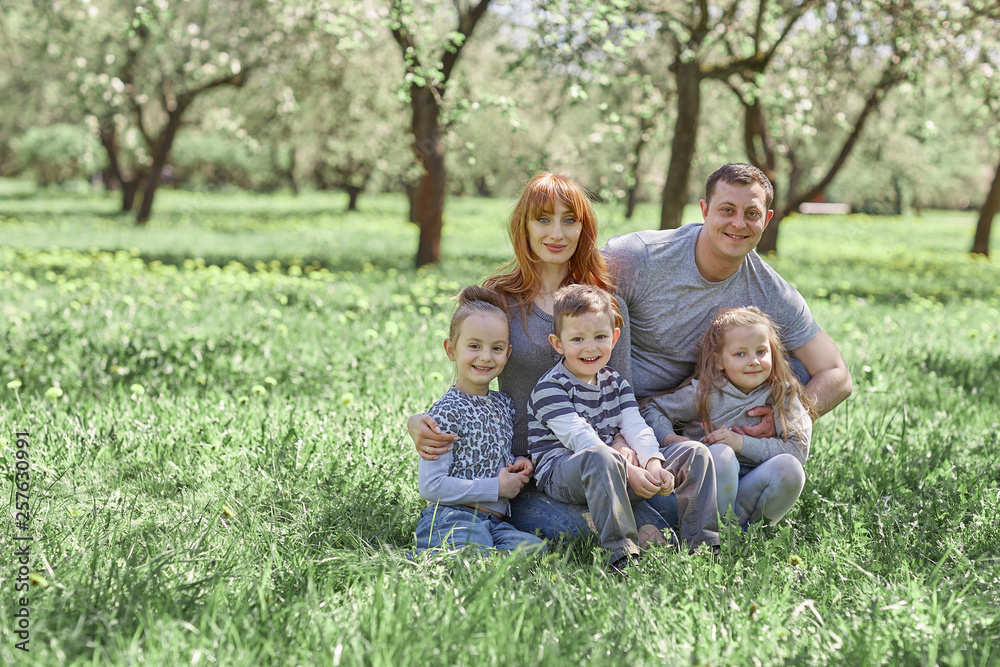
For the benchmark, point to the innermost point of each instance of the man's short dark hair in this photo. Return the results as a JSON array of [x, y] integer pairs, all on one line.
[[738, 173]]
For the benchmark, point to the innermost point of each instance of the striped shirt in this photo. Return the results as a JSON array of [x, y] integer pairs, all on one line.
[[608, 407]]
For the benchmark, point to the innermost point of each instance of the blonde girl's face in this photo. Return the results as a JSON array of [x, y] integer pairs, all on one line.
[[554, 237], [745, 358], [480, 351]]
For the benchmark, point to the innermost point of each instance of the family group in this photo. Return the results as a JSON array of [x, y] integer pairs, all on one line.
[[657, 383]]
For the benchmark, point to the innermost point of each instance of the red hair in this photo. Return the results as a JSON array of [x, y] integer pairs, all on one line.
[[520, 278]]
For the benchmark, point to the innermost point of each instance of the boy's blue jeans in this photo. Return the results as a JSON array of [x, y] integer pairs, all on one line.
[[447, 527]]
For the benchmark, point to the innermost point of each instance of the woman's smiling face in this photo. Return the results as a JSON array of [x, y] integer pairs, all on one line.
[[554, 237]]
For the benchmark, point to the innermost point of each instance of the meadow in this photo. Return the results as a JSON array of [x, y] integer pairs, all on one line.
[[220, 473]]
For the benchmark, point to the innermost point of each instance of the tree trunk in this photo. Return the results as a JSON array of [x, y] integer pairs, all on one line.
[[482, 187], [148, 192], [429, 149], [114, 175], [129, 189], [762, 154], [682, 146], [290, 173], [632, 193], [769, 240], [162, 147], [412, 192], [768, 243], [981, 244], [352, 197]]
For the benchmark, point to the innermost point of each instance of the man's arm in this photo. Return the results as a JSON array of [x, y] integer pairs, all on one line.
[[831, 380]]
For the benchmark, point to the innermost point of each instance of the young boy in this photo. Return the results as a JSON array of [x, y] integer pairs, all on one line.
[[575, 412]]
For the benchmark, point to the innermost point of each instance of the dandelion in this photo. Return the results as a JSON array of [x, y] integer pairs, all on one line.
[[138, 391], [258, 390], [436, 377], [52, 393], [347, 399], [270, 380], [795, 561], [242, 400], [14, 384], [37, 579], [227, 510]]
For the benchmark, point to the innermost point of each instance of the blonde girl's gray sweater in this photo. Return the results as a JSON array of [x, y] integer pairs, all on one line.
[[728, 406]]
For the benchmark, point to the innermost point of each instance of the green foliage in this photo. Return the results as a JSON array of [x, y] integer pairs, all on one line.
[[59, 153], [212, 159], [223, 473]]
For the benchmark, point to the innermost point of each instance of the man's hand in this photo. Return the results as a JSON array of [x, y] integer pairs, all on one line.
[[765, 429], [427, 437]]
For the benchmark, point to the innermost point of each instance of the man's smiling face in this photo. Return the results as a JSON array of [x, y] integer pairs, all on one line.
[[735, 218]]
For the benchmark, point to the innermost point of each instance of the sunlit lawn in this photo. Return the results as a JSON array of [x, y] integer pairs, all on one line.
[[223, 474]]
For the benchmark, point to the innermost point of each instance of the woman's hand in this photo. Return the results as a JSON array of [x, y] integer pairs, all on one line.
[[427, 437]]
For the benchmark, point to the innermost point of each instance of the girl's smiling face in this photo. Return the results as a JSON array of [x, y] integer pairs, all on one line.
[[745, 358], [480, 351]]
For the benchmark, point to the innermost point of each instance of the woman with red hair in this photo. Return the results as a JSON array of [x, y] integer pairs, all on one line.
[[553, 230]]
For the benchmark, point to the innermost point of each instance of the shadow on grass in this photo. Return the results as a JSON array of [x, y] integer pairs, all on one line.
[[976, 375]]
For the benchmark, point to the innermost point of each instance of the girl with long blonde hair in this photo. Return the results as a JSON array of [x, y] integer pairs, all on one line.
[[742, 365]]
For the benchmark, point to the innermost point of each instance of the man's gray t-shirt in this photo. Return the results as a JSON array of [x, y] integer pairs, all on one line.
[[670, 304]]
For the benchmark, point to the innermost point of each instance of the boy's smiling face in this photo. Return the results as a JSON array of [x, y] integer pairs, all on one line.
[[586, 340]]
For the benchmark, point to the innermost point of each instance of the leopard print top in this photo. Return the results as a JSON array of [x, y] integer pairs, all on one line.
[[486, 427]]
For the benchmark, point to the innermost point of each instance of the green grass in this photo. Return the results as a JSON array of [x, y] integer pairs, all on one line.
[[225, 477]]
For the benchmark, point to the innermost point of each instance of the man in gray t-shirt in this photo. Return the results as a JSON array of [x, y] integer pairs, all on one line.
[[675, 281]]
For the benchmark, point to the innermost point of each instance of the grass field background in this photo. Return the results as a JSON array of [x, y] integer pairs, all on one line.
[[221, 474]]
